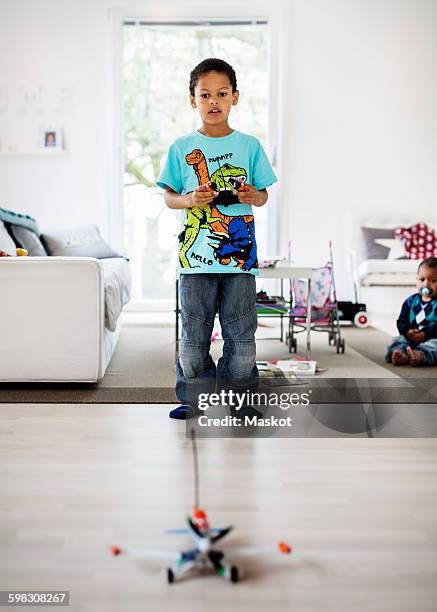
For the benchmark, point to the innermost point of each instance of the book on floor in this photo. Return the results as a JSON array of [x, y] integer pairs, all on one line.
[[303, 368]]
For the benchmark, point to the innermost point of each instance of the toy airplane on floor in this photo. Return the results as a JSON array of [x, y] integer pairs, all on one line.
[[203, 555]]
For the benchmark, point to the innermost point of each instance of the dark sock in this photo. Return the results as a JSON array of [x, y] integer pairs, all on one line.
[[183, 412]]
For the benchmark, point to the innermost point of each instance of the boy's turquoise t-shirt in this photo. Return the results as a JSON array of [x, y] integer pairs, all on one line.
[[219, 237]]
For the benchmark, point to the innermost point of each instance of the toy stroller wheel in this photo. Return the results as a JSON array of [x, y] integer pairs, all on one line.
[[361, 319], [291, 342], [340, 345], [170, 575], [235, 577], [331, 338]]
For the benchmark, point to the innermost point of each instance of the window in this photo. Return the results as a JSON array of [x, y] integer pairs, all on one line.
[[156, 61]]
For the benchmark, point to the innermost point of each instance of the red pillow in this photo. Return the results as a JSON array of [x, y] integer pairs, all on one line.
[[420, 241]]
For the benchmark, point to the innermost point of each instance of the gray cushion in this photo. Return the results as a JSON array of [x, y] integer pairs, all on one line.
[[28, 240], [373, 250], [83, 241]]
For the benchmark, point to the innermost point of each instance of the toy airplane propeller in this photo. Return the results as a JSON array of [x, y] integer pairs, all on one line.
[[203, 555]]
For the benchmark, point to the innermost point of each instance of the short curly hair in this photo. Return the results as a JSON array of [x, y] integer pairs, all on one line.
[[212, 64]]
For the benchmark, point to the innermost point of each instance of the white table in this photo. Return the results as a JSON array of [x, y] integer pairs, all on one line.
[[289, 272]]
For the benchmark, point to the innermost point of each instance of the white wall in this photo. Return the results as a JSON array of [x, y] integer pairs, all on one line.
[[362, 130], [359, 128], [61, 49]]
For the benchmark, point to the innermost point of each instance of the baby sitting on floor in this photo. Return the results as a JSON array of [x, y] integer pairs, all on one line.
[[417, 323]]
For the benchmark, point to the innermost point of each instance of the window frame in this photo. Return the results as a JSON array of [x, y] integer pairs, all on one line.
[[277, 64]]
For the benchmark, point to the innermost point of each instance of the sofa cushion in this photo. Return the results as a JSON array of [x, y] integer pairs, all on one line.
[[85, 241], [7, 245], [9, 216], [382, 243], [398, 272], [26, 239]]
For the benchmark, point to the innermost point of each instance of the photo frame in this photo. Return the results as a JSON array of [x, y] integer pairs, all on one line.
[[51, 138]]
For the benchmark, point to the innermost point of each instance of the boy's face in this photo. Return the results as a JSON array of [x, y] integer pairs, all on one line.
[[427, 277], [214, 98]]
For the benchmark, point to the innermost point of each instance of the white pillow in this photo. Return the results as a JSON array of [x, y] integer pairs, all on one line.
[[7, 245], [83, 241]]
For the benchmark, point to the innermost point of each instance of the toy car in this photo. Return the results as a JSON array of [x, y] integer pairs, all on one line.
[[354, 312]]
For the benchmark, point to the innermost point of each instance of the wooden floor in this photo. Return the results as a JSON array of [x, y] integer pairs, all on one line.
[[75, 479]]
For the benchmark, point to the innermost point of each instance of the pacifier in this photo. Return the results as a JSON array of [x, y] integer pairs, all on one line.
[[426, 291]]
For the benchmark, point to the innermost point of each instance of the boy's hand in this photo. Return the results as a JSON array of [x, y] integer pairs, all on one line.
[[201, 196], [251, 195]]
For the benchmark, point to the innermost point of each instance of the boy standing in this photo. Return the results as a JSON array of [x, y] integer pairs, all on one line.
[[216, 174], [417, 323]]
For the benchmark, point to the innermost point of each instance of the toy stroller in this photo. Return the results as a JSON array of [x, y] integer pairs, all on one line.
[[324, 307]]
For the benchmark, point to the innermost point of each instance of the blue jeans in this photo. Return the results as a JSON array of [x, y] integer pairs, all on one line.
[[233, 296], [428, 348]]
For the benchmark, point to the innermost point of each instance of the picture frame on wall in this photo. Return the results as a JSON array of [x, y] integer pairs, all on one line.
[[51, 138]]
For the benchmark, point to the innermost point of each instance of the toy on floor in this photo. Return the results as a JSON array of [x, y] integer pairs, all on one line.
[[203, 555], [326, 310], [354, 312]]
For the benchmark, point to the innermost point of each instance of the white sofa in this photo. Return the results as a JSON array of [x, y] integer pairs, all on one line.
[[59, 317], [384, 283]]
